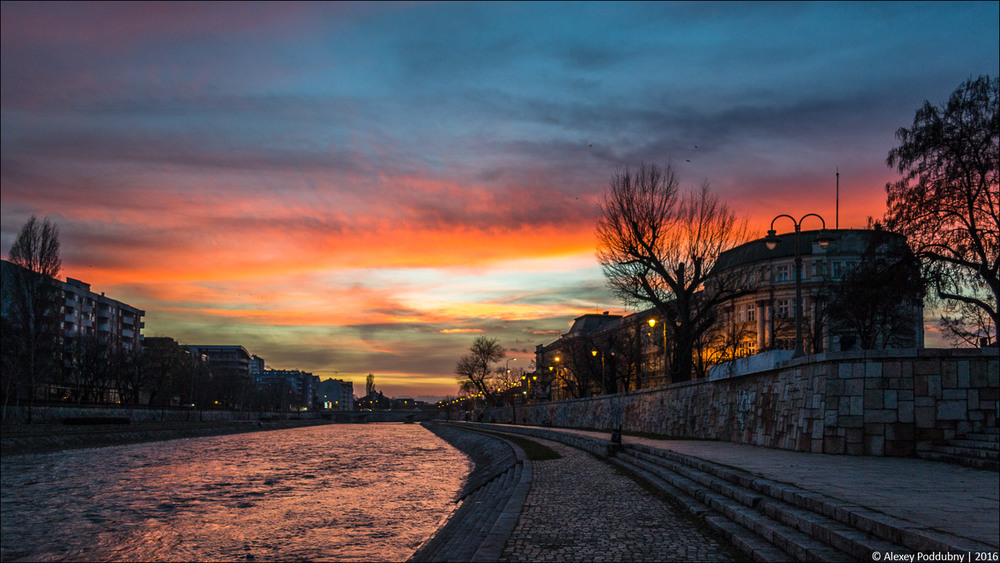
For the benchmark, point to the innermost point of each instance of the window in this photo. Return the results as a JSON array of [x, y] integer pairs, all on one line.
[[783, 310], [751, 312], [782, 273], [836, 270]]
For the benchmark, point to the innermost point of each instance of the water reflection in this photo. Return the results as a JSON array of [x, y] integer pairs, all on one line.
[[335, 492]]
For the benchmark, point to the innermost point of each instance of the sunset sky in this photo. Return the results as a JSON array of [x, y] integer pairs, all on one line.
[[365, 188]]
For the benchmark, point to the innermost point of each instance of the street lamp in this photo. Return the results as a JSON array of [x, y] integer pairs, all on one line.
[[771, 241], [603, 383]]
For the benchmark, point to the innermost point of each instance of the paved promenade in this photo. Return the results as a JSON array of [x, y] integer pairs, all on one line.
[[961, 501], [580, 508]]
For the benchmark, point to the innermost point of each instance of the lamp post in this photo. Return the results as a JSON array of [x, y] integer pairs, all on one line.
[[594, 352], [771, 241], [663, 365]]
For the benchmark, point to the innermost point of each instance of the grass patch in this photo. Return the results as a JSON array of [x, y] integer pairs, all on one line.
[[532, 449]]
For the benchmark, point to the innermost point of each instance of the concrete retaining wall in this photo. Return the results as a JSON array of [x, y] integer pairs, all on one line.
[[888, 402]]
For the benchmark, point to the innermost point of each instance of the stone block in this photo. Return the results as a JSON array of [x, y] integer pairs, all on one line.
[[834, 387], [949, 375], [973, 395], [899, 432], [964, 375], [845, 370], [854, 435], [876, 383], [830, 418], [905, 411], [954, 394], [952, 410], [857, 406], [927, 367], [934, 385], [881, 415], [892, 369], [904, 395], [899, 448], [924, 401], [874, 445], [816, 447], [873, 399], [833, 445], [844, 406], [854, 386], [874, 429], [850, 422], [924, 417], [920, 385], [889, 398], [873, 370], [978, 377], [855, 449]]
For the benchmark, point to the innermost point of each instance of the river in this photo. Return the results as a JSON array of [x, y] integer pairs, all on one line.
[[359, 492]]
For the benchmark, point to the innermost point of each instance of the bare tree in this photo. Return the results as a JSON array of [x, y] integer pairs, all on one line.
[[476, 369], [580, 374], [659, 247], [31, 290], [880, 318], [948, 201]]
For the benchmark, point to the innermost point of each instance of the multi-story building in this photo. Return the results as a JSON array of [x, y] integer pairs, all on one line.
[[764, 318], [613, 354], [229, 362], [336, 394], [257, 367], [298, 389], [85, 312], [82, 312]]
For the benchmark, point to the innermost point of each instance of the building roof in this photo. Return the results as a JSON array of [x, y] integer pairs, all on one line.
[[842, 241]]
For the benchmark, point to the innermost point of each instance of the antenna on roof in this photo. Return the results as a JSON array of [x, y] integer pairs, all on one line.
[[837, 224]]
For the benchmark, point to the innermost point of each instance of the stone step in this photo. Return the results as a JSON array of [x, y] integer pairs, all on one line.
[[481, 514], [792, 543], [749, 543], [476, 516], [975, 444], [951, 449], [825, 531], [876, 524], [983, 436], [973, 462]]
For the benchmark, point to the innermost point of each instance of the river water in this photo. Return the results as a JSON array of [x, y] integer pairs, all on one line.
[[360, 492]]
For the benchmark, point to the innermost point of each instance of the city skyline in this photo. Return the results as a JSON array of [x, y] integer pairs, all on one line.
[[365, 188]]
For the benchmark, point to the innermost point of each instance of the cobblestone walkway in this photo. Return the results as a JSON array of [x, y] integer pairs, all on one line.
[[581, 509]]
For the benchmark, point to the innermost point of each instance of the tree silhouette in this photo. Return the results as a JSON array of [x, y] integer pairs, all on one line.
[[948, 201], [880, 318], [659, 247], [476, 369], [32, 293]]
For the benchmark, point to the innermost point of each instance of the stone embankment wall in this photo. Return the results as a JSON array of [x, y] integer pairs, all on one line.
[[55, 414], [890, 403]]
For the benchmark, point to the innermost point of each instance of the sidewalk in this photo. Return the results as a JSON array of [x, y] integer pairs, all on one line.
[[961, 501]]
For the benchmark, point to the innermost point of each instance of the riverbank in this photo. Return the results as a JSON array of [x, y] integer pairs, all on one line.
[[489, 503], [18, 439], [565, 504]]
